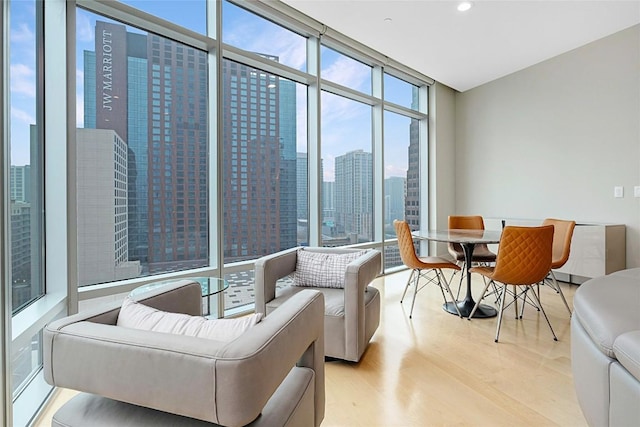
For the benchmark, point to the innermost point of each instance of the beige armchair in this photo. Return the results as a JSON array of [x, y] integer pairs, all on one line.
[[352, 314], [271, 375]]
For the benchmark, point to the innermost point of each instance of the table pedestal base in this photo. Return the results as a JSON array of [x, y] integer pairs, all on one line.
[[466, 306]]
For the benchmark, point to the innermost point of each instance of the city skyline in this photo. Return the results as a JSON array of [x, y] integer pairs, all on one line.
[[161, 125]]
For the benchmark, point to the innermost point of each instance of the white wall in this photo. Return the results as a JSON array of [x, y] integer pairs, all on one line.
[[442, 175], [554, 139], [442, 137]]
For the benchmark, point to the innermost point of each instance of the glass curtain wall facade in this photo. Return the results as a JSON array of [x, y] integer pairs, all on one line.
[[182, 147]]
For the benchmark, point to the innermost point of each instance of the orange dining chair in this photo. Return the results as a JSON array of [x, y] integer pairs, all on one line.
[[562, 235], [523, 260], [481, 253], [421, 266]]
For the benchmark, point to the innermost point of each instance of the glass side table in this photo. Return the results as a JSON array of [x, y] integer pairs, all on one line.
[[212, 297]]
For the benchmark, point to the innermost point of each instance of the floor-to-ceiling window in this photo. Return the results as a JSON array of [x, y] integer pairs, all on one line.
[[346, 151], [167, 152], [347, 171], [24, 279], [264, 145], [402, 172], [141, 152]]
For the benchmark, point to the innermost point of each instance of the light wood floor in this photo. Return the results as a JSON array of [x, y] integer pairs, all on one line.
[[437, 369]]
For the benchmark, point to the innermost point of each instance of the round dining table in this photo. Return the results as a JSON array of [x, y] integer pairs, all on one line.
[[467, 239]]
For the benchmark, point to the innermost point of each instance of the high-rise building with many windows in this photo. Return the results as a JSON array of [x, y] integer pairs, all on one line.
[[259, 155], [102, 208], [412, 201], [20, 183], [302, 185], [148, 89], [353, 195]]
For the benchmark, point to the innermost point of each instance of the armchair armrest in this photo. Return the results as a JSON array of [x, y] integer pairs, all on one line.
[[358, 275], [224, 383], [267, 271]]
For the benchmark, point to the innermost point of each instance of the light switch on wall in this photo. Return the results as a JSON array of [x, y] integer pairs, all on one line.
[[636, 191], [618, 191]]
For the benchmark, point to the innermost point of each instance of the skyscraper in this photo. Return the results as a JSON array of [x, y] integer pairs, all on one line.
[[26, 234], [20, 253], [354, 195], [102, 208], [302, 186], [394, 190], [259, 179], [21, 183], [152, 92], [412, 202]]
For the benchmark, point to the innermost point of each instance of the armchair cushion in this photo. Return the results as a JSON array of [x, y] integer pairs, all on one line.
[[352, 313], [322, 270], [139, 316]]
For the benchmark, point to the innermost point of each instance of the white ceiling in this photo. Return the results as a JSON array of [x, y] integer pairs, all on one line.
[[466, 49]]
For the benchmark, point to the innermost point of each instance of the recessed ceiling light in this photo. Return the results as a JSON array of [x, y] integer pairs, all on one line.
[[464, 6]]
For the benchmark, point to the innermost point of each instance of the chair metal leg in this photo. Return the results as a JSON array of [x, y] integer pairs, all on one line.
[[525, 301], [500, 311], [558, 289], [475, 307], [416, 279], [407, 285], [441, 279], [545, 316], [551, 281], [463, 270]]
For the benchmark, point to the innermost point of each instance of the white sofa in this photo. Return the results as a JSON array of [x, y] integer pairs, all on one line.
[[605, 349]]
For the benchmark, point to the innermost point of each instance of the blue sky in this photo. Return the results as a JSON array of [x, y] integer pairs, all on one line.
[[346, 125]]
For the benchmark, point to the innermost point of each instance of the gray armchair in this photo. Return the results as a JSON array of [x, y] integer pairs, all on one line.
[[272, 375], [352, 314]]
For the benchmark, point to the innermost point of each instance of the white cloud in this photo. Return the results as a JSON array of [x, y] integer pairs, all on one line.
[[80, 110], [290, 48], [23, 116], [79, 78], [395, 170], [349, 73], [22, 33], [23, 80], [84, 28]]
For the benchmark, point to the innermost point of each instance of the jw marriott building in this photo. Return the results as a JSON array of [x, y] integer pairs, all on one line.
[[152, 92]]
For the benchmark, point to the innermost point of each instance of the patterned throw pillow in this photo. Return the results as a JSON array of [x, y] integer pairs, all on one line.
[[139, 316], [322, 270]]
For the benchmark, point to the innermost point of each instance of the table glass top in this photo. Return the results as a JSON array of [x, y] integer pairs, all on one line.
[[209, 285], [459, 236]]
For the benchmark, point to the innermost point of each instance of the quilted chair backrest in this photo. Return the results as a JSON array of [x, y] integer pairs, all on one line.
[[466, 222], [524, 257], [562, 235], [405, 244]]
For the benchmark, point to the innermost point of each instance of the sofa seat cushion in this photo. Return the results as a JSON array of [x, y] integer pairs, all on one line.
[[607, 307], [333, 298], [627, 350]]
